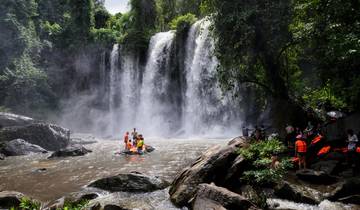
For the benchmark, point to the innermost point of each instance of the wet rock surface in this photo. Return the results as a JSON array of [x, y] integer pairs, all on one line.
[[346, 188], [298, 193], [48, 136], [9, 119], [212, 166], [10, 199], [70, 151], [214, 197], [130, 182], [327, 166], [20, 147], [315, 177], [2, 156]]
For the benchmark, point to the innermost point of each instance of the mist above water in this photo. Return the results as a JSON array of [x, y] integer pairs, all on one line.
[[158, 98]]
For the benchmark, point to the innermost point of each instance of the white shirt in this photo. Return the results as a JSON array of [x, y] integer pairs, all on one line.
[[352, 142]]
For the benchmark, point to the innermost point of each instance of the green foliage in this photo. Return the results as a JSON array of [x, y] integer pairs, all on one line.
[[259, 155], [250, 38], [323, 95], [51, 29], [183, 22], [75, 206], [28, 204]]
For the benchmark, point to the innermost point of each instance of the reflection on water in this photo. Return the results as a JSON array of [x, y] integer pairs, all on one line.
[[67, 175]]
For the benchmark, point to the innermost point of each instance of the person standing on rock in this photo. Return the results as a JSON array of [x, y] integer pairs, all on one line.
[[134, 135], [300, 150], [352, 141], [126, 139], [245, 131]]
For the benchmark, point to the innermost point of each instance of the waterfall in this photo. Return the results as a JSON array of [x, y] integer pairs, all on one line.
[[174, 93], [206, 109], [154, 111]]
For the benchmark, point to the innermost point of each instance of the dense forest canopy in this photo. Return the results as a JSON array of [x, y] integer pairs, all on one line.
[[305, 51]]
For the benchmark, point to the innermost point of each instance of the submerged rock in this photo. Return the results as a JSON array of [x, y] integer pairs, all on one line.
[[298, 193], [71, 151], [21, 147], [213, 197], [9, 119], [211, 166], [48, 136], [131, 182]]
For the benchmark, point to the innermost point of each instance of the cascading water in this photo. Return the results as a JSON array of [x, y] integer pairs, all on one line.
[[164, 97], [207, 110], [154, 111]]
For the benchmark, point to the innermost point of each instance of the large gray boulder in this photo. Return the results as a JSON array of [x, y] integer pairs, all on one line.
[[298, 193], [211, 166], [20, 147], [131, 182], [213, 197], [9, 119], [70, 151], [48, 136]]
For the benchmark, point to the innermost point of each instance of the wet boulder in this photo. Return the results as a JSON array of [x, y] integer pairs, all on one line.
[[9, 119], [73, 198], [18, 147], [298, 193], [70, 151], [346, 188], [10, 199], [315, 177], [328, 166], [209, 196], [130, 182], [48, 136], [211, 166], [149, 148], [353, 199]]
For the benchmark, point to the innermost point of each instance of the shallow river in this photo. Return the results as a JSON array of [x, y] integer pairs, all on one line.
[[67, 175]]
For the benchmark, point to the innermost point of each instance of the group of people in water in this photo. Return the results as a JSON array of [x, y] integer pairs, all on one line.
[[134, 143]]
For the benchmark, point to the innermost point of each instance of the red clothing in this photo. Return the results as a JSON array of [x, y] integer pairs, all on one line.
[[300, 146], [126, 139]]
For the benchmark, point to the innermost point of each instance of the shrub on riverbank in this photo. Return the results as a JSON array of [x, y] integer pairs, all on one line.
[[260, 154]]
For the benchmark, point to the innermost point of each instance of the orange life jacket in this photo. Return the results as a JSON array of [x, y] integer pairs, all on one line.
[[316, 139], [324, 150], [300, 146], [343, 149]]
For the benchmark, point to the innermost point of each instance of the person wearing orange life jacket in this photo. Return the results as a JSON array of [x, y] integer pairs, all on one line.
[[300, 150], [126, 139]]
